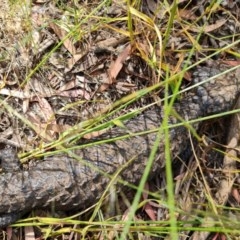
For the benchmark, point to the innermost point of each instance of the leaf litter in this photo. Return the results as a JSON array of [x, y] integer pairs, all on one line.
[[62, 66]]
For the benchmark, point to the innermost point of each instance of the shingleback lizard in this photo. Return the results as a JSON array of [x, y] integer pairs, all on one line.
[[69, 184]]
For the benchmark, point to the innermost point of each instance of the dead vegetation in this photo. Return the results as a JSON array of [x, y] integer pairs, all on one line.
[[64, 64]]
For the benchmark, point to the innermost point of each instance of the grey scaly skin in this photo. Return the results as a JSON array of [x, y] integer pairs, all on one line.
[[70, 184]]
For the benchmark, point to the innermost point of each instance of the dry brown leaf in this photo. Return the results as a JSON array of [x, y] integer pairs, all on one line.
[[58, 128], [15, 93], [210, 28], [125, 216], [69, 85], [111, 42], [147, 207], [9, 233], [217, 236], [40, 88], [236, 195], [143, 50], [231, 62], [47, 116], [75, 58], [29, 233], [125, 87], [46, 91], [46, 110], [154, 7], [187, 14], [150, 212], [180, 176], [41, 128], [117, 65], [74, 94], [43, 92], [221, 235], [61, 33], [115, 68]]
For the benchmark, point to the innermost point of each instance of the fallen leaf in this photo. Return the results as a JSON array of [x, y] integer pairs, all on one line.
[[29, 233], [187, 14], [43, 92], [115, 68], [150, 212], [61, 33], [147, 207], [46, 109], [74, 59], [75, 93], [236, 195], [9, 232], [209, 28], [117, 65], [231, 63]]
